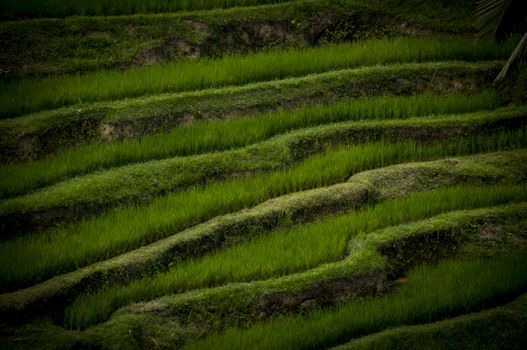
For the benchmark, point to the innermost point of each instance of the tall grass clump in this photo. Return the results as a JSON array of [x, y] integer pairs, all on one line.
[[223, 135], [29, 259], [16, 9], [285, 252], [34, 94], [433, 292]]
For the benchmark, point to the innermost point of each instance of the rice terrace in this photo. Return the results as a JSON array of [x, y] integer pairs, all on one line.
[[263, 174]]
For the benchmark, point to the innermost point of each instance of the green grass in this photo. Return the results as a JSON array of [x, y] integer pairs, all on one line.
[[433, 292], [32, 258], [13, 9], [35, 136], [297, 249], [80, 44], [140, 182], [457, 15], [503, 327], [223, 135], [62, 8], [34, 94]]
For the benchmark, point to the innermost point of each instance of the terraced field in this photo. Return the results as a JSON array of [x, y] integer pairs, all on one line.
[[259, 174]]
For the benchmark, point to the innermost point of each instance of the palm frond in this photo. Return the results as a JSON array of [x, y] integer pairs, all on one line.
[[519, 51], [496, 19], [490, 15]]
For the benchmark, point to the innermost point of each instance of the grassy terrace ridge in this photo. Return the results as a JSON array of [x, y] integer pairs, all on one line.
[[308, 246], [64, 8], [86, 196], [80, 44], [151, 327], [111, 335], [36, 94], [502, 327], [37, 135], [232, 133], [365, 271], [432, 293], [11, 9], [64, 247], [141, 181], [275, 174], [361, 189]]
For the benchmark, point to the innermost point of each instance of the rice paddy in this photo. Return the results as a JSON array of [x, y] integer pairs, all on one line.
[[249, 180], [229, 134], [432, 293], [283, 253], [63, 248], [35, 94], [63, 8]]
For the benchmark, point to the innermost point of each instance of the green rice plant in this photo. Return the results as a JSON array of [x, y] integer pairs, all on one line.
[[63, 8], [297, 249], [34, 94], [29, 259], [460, 12], [432, 293], [223, 135], [140, 182]]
